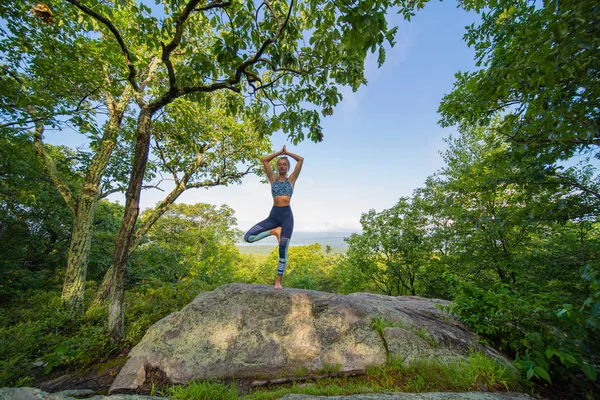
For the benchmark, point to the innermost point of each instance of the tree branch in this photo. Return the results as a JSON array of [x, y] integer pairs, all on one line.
[[221, 180], [172, 45], [175, 92], [574, 141], [115, 32], [578, 185], [165, 162], [214, 4], [50, 166], [103, 195], [263, 48], [151, 72]]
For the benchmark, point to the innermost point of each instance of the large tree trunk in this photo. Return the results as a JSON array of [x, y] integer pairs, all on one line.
[[125, 234], [79, 249], [81, 236], [82, 207]]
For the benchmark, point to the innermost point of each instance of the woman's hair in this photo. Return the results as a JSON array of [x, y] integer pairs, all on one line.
[[286, 159]]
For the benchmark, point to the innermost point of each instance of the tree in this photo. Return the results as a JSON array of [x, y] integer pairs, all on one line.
[[59, 76], [194, 242], [539, 66], [539, 76], [392, 248], [495, 212], [34, 223], [198, 150], [539, 70], [519, 252], [284, 54]]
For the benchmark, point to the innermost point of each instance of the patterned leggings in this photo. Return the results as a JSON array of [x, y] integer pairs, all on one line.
[[279, 216]]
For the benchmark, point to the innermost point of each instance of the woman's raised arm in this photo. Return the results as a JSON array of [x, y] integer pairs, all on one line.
[[298, 168], [267, 167]]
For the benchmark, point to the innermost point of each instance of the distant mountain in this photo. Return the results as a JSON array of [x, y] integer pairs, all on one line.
[[333, 239]]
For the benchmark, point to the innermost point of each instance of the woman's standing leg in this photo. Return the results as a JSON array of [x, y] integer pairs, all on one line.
[[287, 228]]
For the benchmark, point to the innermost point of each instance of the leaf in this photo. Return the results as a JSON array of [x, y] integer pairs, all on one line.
[[530, 373], [542, 373], [381, 58], [590, 372]]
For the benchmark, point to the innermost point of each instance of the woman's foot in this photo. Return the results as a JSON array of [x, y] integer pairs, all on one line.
[[278, 283], [277, 233]]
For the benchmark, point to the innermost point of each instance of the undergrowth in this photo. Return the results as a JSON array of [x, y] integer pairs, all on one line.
[[37, 335], [477, 372]]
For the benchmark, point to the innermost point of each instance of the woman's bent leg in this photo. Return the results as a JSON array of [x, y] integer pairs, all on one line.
[[260, 230]]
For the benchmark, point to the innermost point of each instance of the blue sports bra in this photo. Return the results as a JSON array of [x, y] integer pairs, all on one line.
[[282, 188]]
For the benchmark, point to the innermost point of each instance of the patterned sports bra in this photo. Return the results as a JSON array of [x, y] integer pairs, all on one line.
[[282, 188]]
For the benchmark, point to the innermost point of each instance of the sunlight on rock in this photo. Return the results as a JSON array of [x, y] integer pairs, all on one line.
[[303, 343], [223, 337]]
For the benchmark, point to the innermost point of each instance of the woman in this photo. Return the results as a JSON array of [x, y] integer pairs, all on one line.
[[281, 220]]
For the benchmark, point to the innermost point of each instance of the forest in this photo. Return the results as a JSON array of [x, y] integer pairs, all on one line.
[[508, 229]]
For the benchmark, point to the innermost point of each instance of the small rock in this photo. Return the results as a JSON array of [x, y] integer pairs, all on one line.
[[75, 393]]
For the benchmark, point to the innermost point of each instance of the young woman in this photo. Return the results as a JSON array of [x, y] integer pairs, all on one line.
[[281, 220]]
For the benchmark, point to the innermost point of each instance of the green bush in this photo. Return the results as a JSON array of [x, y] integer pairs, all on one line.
[[549, 340], [36, 329]]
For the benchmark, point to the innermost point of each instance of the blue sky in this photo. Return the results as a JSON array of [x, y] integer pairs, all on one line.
[[380, 144]]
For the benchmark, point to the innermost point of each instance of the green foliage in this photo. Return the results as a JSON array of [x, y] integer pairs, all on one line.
[[545, 338], [474, 373], [34, 222], [516, 250], [107, 218], [308, 267], [424, 334], [190, 242], [393, 248], [379, 324], [36, 328], [204, 391], [539, 64]]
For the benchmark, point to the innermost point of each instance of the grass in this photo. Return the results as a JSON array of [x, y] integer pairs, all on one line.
[[424, 334], [203, 391], [477, 372], [379, 324]]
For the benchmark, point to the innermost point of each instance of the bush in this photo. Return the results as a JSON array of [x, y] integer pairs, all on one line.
[[549, 340], [37, 329]]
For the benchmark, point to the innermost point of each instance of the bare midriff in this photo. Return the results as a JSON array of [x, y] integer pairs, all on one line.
[[281, 201]]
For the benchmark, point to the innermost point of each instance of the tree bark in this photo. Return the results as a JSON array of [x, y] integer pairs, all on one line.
[[125, 234]]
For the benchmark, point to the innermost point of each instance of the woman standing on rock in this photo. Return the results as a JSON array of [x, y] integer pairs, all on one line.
[[281, 220]]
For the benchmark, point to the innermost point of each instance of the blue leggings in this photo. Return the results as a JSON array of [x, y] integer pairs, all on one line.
[[279, 216]]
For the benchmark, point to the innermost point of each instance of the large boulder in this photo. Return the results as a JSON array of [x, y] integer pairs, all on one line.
[[241, 331]]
